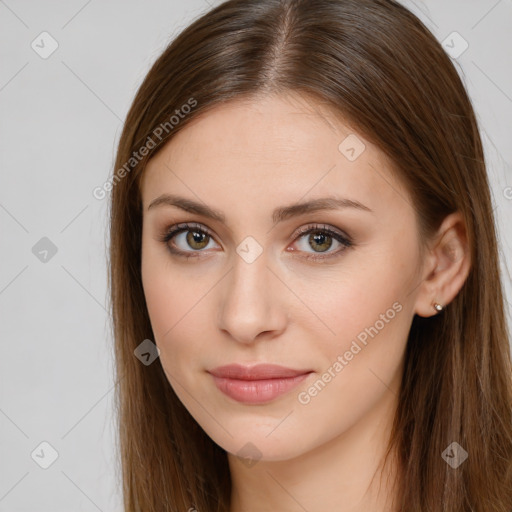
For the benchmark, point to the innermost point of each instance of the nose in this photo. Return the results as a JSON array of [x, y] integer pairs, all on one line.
[[252, 302]]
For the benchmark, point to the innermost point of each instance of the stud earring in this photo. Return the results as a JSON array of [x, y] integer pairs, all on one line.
[[438, 307]]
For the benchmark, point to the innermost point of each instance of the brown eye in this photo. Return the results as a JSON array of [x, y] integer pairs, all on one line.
[[187, 240], [321, 240], [196, 239]]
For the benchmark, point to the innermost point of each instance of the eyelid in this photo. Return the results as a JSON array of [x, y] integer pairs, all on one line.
[[186, 226], [315, 226]]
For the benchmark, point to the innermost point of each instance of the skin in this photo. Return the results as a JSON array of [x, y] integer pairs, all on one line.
[[246, 158]]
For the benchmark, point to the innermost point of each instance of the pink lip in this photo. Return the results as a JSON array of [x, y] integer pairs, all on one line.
[[256, 384]]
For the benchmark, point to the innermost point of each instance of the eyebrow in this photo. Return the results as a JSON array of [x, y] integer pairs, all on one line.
[[279, 215]]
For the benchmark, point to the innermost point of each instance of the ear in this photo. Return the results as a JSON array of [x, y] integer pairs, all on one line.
[[446, 266]]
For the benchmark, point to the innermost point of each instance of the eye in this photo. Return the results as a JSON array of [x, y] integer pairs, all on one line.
[[191, 236], [181, 238], [321, 238]]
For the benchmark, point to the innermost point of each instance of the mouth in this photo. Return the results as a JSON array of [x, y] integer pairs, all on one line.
[[257, 384]]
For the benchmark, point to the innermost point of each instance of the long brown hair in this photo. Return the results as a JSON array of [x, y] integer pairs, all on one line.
[[376, 64]]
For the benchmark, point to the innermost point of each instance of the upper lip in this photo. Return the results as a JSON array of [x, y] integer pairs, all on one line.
[[256, 372]]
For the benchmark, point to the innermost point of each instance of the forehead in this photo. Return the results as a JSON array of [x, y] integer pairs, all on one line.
[[267, 151]]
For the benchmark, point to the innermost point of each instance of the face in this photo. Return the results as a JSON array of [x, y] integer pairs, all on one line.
[[328, 291]]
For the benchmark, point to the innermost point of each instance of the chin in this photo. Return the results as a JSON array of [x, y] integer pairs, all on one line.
[[253, 446]]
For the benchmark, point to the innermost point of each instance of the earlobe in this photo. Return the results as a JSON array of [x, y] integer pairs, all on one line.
[[448, 268]]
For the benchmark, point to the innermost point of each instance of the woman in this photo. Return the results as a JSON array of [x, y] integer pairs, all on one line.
[[307, 306]]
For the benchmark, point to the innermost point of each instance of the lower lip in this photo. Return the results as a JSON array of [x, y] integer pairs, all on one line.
[[257, 391]]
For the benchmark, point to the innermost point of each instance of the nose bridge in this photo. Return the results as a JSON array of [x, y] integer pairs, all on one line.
[[250, 269], [250, 303]]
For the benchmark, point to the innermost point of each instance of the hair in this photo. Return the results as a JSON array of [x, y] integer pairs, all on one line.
[[374, 63]]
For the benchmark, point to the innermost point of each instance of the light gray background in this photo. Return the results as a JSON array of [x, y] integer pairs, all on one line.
[[61, 118]]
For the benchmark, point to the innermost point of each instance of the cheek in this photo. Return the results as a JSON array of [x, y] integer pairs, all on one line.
[[170, 308], [365, 348], [348, 300], [367, 308], [166, 292], [162, 291], [175, 300], [362, 360], [158, 292]]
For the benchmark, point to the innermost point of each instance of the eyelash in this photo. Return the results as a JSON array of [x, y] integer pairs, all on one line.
[[170, 233]]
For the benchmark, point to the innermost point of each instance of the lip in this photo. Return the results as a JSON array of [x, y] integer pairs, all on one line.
[[256, 384]]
